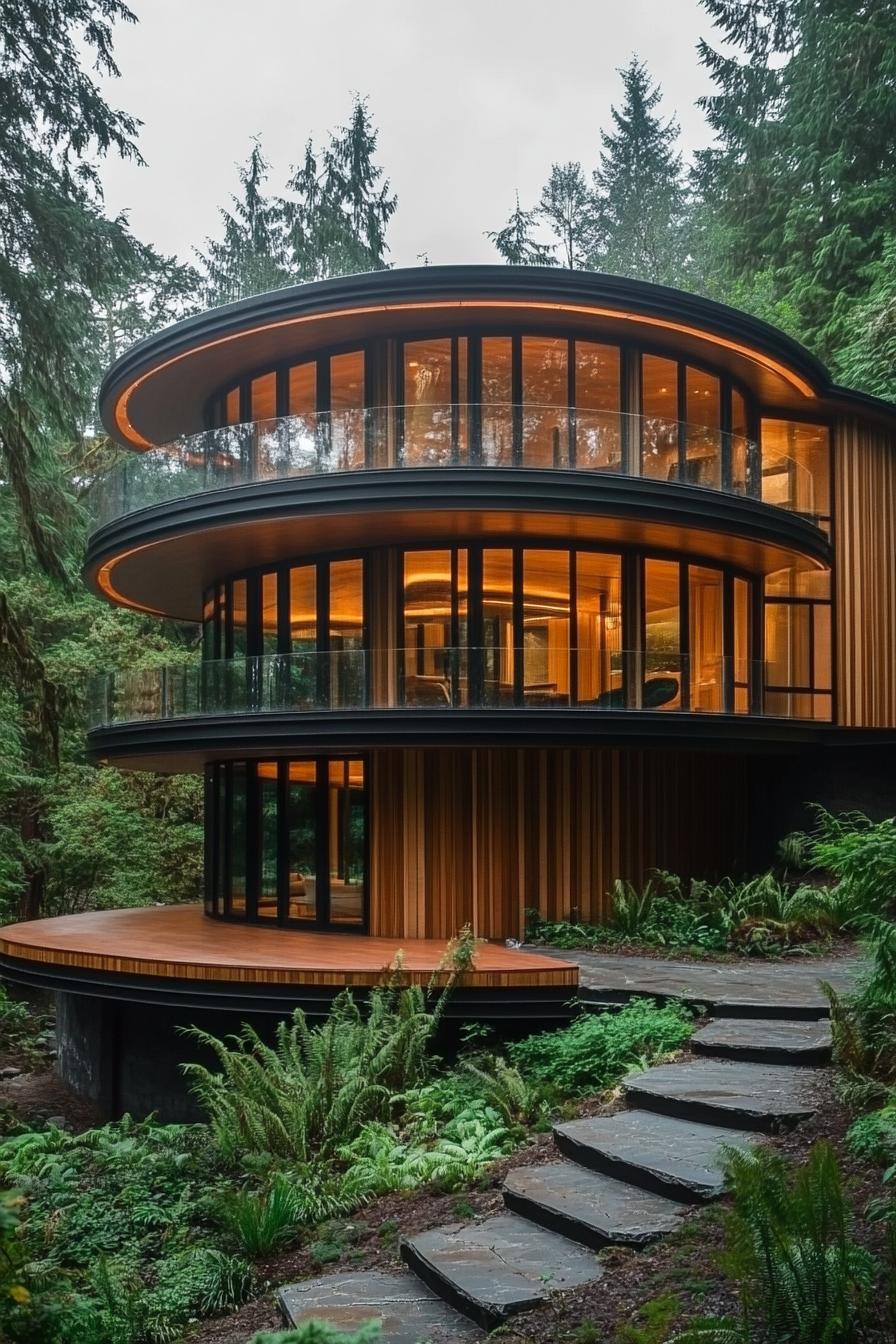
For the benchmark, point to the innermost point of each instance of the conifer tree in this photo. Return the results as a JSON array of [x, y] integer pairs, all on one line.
[[802, 180], [250, 257], [640, 188], [567, 207], [516, 242], [339, 205]]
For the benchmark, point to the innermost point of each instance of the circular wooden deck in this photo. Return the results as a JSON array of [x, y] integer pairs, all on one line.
[[180, 943]]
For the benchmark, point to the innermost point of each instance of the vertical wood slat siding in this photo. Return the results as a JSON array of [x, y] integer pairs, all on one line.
[[474, 836], [865, 575]]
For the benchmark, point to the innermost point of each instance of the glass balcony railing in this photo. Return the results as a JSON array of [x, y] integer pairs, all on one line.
[[408, 437], [495, 677]]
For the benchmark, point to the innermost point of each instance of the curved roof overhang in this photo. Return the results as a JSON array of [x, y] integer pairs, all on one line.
[[160, 388], [141, 560]]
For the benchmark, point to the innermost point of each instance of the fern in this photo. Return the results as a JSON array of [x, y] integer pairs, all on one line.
[[801, 1278]]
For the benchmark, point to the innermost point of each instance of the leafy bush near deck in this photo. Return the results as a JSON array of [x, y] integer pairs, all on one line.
[[596, 1050], [769, 914], [800, 1275], [864, 1022]]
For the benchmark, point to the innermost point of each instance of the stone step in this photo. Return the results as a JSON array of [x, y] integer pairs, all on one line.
[[588, 1206], [678, 1158], [764, 1097], [497, 1268], [749, 988], [407, 1311], [777, 1042]]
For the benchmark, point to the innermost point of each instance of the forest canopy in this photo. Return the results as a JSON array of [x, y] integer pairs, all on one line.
[[787, 212]]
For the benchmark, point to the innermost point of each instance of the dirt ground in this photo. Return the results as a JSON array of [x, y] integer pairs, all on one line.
[[675, 1280]]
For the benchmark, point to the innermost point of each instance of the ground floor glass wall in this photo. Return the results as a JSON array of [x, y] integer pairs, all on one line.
[[287, 842]]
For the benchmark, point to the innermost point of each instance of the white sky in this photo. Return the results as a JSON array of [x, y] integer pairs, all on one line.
[[473, 99]]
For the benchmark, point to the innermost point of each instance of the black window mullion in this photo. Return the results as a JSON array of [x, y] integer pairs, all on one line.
[[474, 386], [682, 422], [253, 840], [727, 642], [516, 396], [454, 630], [226, 819], [282, 841], [573, 640], [475, 625], [517, 626], [684, 640], [322, 583], [455, 394], [725, 423], [400, 395], [322, 847], [571, 403]]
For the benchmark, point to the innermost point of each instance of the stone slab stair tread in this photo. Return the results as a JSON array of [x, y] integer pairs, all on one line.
[[408, 1311], [494, 1269], [775, 1041], [588, 1206], [765, 1097], [679, 1158]]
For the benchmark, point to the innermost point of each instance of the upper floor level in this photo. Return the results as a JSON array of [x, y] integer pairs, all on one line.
[[481, 367]]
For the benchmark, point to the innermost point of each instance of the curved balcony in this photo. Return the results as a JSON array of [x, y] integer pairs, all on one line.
[[458, 680], [462, 435]]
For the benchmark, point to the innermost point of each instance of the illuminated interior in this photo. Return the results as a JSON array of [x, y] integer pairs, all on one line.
[[290, 842], [518, 625]]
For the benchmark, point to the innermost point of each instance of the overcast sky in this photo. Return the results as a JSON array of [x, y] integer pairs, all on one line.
[[473, 100]]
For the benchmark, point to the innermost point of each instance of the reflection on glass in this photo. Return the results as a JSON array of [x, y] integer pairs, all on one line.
[[798, 643], [705, 614], [740, 463], [703, 447], [269, 613], [599, 629], [347, 407], [303, 608], [796, 467], [661, 687], [347, 632], [268, 838], [598, 440], [427, 627], [741, 643], [346, 841], [302, 831], [237, 828], [496, 398], [427, 402], [659, 426], [545, 627], [545, 401], [238, 618], [497, 627]]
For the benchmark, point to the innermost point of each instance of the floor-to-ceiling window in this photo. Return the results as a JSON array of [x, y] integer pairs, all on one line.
[[289, 841], [798, 645]]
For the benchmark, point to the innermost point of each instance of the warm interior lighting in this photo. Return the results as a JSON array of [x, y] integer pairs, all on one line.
[[129, 431]]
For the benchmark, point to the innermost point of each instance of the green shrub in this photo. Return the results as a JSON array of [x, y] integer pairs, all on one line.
[[800, 1276], [262, 1222], [598, 1049], [311, 1092], [861, 855], [874, 1135], [864, 1023], [316, 1332]]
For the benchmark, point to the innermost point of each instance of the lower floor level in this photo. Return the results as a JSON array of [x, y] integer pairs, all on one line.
[[417, 843]]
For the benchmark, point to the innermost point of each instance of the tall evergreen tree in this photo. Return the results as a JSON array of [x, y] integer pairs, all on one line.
[[640, 188], [64, 264], [251, 255], [567, 207], [802, 180], [340, 204], [517, 243]]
